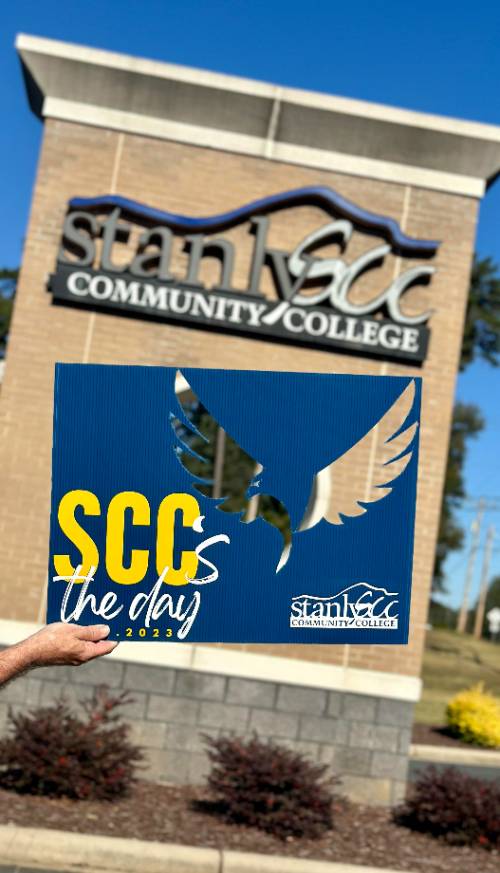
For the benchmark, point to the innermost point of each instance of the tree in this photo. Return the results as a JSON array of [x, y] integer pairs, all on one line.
[[481, 337], [8, 280], [237, 471], [467, 422], [441, 615], [481, 340]]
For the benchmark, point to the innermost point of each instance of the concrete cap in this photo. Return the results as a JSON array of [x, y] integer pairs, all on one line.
[[306, 127]]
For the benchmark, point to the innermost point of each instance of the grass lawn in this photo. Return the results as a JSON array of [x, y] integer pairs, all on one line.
[[452, 662]]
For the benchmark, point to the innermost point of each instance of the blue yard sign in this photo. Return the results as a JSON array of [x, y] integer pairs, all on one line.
[[233, 506]]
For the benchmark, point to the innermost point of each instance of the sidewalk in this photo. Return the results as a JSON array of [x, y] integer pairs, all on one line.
[[47, 851]]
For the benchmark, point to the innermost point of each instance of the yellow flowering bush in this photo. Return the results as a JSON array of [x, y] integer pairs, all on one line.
[[474, 716]]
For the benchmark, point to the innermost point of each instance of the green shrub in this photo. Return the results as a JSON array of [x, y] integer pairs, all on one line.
[[52, 751]]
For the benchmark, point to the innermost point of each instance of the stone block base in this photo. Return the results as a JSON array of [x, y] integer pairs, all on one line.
[[364, 739]]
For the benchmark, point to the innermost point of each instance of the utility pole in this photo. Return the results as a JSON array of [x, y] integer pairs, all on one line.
[[476, 531], [483, 591], [220, 451], [253, 503]]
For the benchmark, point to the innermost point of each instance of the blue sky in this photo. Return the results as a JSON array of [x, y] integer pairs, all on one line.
[[440, 57]]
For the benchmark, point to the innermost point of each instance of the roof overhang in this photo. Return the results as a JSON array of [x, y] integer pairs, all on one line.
[[185, 104]]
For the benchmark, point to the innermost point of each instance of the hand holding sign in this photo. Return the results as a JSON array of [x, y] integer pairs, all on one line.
[[56, 645]]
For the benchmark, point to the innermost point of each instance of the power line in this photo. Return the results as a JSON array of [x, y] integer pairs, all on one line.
[[474, 501]]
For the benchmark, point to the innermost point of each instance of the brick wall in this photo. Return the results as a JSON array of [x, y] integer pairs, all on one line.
[[77, 159]]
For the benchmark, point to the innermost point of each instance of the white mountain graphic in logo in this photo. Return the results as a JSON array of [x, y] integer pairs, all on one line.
[[360, 605]]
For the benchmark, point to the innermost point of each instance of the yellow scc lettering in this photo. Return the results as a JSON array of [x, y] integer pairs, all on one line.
[[138, 559]]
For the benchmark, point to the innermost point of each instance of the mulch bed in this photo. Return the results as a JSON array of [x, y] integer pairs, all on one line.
[[170, 814], [436, 735]]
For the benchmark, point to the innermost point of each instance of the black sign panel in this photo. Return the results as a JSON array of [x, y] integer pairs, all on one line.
[[239, 313]]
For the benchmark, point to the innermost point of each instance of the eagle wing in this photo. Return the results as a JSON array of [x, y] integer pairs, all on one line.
[[366, 472], [219, 468]]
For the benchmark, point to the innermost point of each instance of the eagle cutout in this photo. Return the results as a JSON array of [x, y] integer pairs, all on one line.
[[383, 452]]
